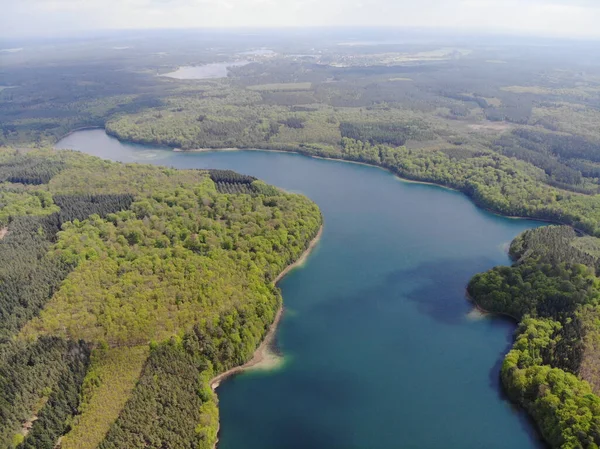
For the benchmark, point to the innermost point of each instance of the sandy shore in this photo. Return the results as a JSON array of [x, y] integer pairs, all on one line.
[[263, 353], [483, 313], [302, 258], [264, 357]]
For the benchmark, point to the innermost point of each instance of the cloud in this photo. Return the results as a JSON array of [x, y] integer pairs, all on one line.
[[550, 17]]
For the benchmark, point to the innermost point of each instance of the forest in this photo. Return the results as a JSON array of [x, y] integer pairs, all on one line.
[[512, 126], [553, 291], [116, 275]]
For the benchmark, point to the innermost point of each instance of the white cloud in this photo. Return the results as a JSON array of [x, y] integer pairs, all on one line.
[[549, 17]]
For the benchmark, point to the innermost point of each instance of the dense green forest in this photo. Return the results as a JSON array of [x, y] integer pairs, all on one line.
[[554, 292], [114, 276], [514, 127]]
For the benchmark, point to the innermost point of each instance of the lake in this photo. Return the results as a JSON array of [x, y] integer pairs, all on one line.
[[205, 71], [259, 52], [381, 349]]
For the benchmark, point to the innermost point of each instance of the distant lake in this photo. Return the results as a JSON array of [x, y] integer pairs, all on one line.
[[206, 71], [259, 52], [381, 348], [11, 50]]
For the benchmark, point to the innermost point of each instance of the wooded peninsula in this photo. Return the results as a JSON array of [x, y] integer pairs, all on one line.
[[125, 288]]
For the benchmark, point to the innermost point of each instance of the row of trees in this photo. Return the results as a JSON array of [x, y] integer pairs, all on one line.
[[41, 380], [44, 376], [173, 395], [53, 419], [171, 406], [30, 170], [28, 276], [228, 181]]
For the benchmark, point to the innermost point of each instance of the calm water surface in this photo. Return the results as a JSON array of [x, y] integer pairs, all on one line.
[[206, 71], [380, 349]]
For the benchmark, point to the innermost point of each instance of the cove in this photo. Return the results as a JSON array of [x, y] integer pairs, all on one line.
[[381, 350]]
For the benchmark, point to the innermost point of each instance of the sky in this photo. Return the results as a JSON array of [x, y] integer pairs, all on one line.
[[564, 18]]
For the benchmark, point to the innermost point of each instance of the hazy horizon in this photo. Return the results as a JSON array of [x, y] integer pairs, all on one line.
[[60, 18]]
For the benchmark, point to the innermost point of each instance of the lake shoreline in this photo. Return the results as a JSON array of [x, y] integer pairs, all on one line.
[[264, 352], [485, 312], [340, 159], [301, 170], [396, 175], [83, 128], [264, 348]]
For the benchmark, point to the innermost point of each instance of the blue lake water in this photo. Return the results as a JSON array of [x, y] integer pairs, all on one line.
[[381, 348]]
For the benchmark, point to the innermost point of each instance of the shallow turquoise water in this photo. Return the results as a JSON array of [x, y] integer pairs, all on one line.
[[380, 351]]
